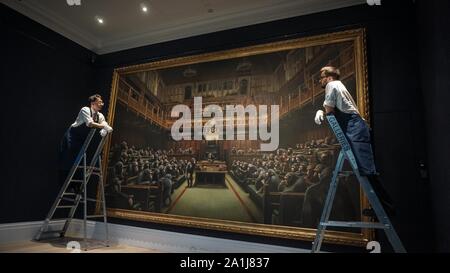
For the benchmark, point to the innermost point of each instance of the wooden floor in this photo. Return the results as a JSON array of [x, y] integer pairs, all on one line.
[[60, 246]]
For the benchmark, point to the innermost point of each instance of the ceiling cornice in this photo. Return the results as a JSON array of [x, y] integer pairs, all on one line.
[[54, 22], [178, 29]]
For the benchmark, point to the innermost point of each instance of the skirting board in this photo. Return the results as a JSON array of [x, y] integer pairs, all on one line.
[[163, 241]]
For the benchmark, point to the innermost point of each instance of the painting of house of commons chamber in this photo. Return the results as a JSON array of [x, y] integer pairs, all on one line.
[[231, 185]]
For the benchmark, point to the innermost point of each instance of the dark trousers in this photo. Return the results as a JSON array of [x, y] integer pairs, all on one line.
[[358, 136], [71, 145]]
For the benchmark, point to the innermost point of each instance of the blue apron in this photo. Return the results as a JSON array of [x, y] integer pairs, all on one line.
[[358, 135], [72, 142]]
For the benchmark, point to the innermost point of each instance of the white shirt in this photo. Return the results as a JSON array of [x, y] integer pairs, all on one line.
[[336, 95], [84, 116]]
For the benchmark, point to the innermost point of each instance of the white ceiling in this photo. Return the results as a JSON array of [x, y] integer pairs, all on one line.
[[126, 26]]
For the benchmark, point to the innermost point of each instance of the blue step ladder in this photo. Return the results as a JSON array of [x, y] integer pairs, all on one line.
[[384, 223]]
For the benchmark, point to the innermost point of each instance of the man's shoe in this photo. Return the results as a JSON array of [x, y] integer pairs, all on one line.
[[369, 213]]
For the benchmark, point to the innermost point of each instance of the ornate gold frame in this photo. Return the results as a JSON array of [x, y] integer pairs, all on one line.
[[357, 36]]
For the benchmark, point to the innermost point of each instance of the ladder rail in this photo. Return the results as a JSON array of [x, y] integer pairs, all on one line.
[[105, 220], [328, 204], [78, 198], [95, 159], [346, 153], [342, 139], [382, 216], [85, 205], [69, 177], [87, 171], [71, 214], [97, 153]]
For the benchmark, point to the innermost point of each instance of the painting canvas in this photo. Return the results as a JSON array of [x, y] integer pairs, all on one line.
[[179, 155]]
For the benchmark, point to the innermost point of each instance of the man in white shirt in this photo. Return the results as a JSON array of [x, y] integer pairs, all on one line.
[[339, 102], [89, 117]]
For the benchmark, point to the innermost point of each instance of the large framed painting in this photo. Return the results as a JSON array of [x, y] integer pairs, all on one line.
[[227, 140]]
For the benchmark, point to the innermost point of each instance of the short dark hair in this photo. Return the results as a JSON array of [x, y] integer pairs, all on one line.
[[331, 71], [94, 98]]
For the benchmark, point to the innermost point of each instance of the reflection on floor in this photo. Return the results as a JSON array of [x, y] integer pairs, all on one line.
[[209, 201]]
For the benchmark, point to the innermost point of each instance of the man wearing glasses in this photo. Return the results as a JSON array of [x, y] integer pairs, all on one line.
[[339, 102], [89, 117]]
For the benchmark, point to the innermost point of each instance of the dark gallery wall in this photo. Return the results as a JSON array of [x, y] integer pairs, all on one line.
[[45, 78], [434, 41]]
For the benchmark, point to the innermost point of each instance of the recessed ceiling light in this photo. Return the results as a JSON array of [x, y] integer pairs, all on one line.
[[144, 7], [99, 20]]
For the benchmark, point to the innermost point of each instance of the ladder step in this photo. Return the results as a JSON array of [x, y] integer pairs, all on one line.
[[70, 193], [65, 207], [89, 168], [95, 216], [59, 219], [355, 225], [53, 232], [77, 181], [68, 199], [91, 200], [346, 173]]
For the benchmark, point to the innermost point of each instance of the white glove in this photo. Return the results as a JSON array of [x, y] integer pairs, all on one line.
[[319, 117], [103, 132], [108, 128]]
